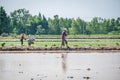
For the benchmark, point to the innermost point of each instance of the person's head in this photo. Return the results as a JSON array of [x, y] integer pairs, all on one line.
[[33, 39], [65, 29], [22, 33]]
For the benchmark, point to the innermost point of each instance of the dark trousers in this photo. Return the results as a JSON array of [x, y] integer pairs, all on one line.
[[64, 41], [21, 41]]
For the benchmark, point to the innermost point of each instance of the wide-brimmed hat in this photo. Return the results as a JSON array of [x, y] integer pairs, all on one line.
[[65, 29]]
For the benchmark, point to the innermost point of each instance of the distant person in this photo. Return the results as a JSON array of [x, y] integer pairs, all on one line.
[[64, 41], [31, 41], [22, 37]]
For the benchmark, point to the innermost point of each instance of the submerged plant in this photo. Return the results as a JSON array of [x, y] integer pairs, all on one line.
[[45, 45], [117, 44], [12, 44], [75, 45], [3, 44], [90, 44], [99, 45], [54, 45]]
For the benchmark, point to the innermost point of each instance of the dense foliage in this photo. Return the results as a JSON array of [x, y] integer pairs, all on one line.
[[21, 21]]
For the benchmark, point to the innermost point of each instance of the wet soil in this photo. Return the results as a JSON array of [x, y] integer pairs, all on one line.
[[23, 48]]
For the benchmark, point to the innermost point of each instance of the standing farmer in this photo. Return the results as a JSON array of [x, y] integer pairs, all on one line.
[[64, 41], [21, 38]]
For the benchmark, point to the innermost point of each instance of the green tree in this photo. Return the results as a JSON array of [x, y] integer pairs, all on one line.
[[74, 28], [20, 20], [56, 26], [40, 30], [45, 24], [118, 25], [50, 26], [81, 26], [4, 21], [95, 26], [65, 23]]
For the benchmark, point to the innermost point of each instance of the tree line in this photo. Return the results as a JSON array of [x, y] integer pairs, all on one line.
[[21, 21]]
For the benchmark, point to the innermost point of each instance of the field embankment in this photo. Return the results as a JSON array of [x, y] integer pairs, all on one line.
[[54, 43]]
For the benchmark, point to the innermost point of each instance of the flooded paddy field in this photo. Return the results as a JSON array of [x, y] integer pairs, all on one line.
[[63, 65]]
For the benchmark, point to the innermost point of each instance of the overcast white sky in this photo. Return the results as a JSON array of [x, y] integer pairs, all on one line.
[[84, 9]]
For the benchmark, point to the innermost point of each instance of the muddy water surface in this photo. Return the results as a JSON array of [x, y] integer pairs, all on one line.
[[62, 66]]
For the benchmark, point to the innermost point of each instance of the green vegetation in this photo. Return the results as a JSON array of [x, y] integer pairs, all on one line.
[[2, 44], [98, 32], [21, 21], [71, 42]]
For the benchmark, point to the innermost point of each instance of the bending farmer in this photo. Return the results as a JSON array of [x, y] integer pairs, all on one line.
[[31, 41]]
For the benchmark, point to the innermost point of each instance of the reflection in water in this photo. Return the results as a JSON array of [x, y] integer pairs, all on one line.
[[64, 57], [63, 66]]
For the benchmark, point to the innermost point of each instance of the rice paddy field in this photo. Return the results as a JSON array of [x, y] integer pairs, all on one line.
[[44, 60], [73, 41]]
